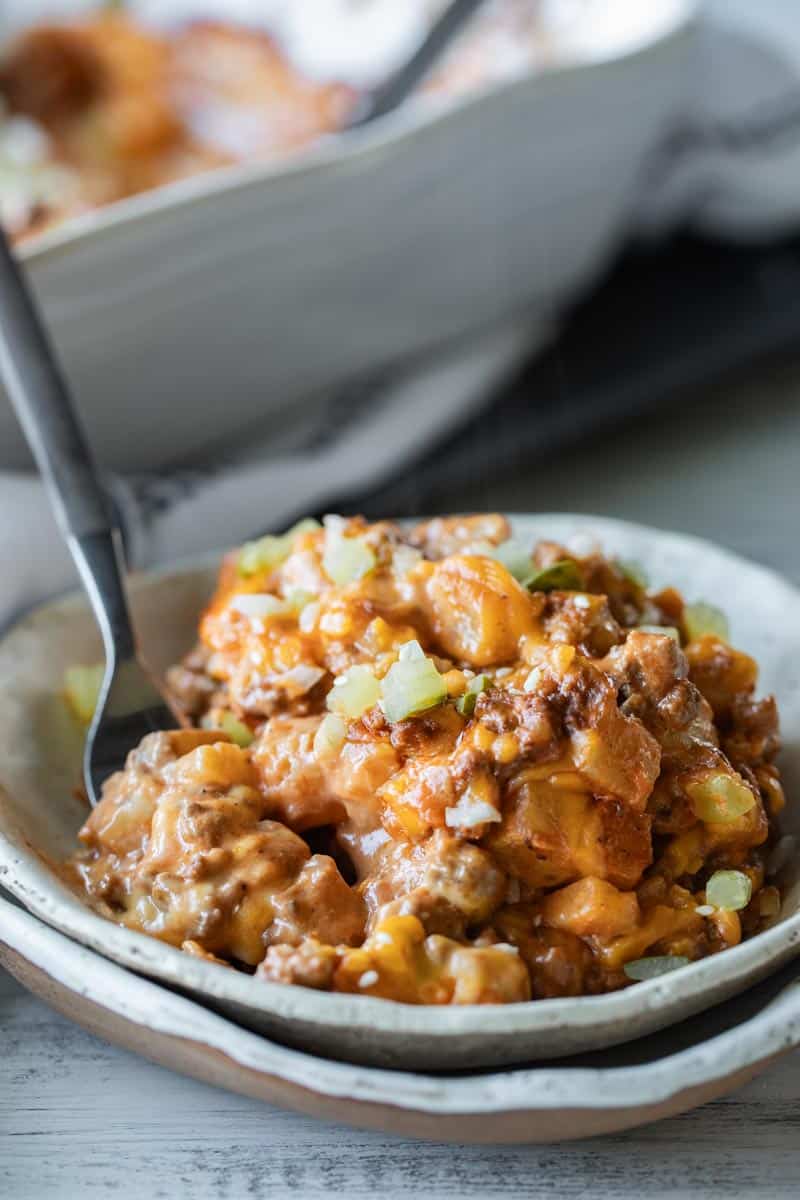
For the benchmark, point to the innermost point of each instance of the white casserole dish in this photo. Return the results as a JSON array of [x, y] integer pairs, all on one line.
[[40, 753], [193, 312]]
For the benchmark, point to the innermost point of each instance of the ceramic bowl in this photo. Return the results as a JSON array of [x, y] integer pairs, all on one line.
[[678, 1069], [441, 220], [40, 750]]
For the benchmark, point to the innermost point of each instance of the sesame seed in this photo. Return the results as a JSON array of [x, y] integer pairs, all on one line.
[[368, 979]]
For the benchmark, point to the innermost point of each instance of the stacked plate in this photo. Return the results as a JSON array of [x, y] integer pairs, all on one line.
[[623, 1059]]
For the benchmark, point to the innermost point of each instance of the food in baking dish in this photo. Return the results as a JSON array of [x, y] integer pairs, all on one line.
[[101, 108], [105, 108], [438, 765]]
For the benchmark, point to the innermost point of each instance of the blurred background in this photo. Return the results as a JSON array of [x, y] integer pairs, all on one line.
[[563, 275]]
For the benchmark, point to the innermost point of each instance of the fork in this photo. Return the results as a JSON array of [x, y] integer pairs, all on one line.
[[398, 86], [132, 702]]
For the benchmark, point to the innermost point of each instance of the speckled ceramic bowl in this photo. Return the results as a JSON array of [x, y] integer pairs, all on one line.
[[40, 763]]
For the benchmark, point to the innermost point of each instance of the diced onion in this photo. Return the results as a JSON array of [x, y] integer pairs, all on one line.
[[634, 572], [269, 552], [330, 735], [641, 969], [482, 547], [259, 604], [309, 616], [533, 680], [564, 576], [298, 679], [410, 687], [405, 559], [469, 812], [702, 618], [354, 693], [82, 687], [664, 630], [466, 703], [720, 797], [346, 559], [236, 730], [731, 890]]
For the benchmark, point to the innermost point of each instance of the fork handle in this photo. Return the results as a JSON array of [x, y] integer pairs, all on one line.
[[394, 90], [41, 399], [40, 396]]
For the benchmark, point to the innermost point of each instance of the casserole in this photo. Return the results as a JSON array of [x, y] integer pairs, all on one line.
[[40, 751]]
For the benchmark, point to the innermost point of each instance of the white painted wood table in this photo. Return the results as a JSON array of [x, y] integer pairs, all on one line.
[[82, 1119]]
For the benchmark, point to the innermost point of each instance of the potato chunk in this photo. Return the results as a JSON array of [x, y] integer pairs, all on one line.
[[477, 609]]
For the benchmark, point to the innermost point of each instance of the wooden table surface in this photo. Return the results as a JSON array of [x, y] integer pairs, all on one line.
[[82, 1119]]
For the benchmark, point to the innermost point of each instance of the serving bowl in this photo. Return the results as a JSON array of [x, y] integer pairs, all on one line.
[[270, 284], [40, 750]]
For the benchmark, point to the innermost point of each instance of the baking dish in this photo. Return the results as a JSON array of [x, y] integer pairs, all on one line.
[[212, 306]]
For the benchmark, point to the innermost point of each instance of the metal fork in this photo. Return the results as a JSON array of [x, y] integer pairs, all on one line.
[[131, 702]]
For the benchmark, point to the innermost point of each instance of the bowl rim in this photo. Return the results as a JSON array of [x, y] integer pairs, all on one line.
[[26, 876], [669, 20], [773, 1030]]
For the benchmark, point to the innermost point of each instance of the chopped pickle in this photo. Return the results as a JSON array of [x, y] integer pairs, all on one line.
[[239, 733], [720, 797], [651, 968], [515, 557], [466, 703], [701, 618], [563, 576], [412, 686], [730, 890], [346, 559], [354, 693], [270, 551], [82, 689]]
